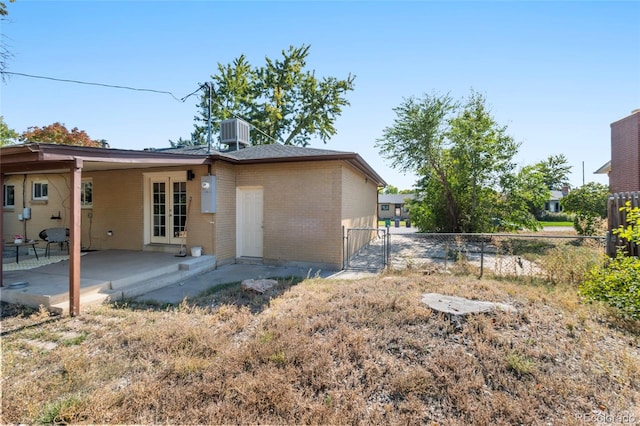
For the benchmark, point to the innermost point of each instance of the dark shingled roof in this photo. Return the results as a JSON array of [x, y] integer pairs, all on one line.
[[279, 151], [255, 152], [190, 150], [274, 153]]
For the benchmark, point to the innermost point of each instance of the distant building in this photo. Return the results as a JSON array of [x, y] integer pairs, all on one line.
[[553, 204], [392, 206]]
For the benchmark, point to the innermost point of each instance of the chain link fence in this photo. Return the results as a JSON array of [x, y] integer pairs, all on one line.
[[365, 248], [550, 258]]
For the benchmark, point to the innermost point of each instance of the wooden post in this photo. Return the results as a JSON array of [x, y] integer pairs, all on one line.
[[74, 238]]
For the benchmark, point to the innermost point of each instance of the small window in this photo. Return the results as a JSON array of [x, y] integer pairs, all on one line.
[[9, 196], [40, 191], [384, 207], [86, 194]]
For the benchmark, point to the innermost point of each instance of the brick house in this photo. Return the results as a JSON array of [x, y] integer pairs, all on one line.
[[624, 167], [274, 203]]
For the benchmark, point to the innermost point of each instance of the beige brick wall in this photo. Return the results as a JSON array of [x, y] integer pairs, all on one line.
[[359, 207], [225, 217], [301, 210], [200, 229], [41, 211], [118, 199], [359, 199], [117, 207]]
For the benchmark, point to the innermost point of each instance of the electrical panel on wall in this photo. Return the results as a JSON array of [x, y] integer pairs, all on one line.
[[208, 194]]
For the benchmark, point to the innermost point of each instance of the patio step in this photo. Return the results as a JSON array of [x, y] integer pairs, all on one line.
[[85, 292], [161, 277], [190, 266], [86, 300]]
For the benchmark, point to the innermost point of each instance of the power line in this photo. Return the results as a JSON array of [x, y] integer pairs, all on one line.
[[114, 86]]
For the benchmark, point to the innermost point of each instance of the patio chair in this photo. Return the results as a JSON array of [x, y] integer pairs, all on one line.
[[55, 235]]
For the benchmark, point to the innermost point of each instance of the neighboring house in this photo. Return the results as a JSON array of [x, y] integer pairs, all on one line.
[[553, 205], [392, 206], [624, 167], [278, 204]]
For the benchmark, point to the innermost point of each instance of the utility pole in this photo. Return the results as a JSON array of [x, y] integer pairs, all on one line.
[[210, 87]]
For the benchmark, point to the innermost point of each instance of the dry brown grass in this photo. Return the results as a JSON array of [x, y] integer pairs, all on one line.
[[328, 352]]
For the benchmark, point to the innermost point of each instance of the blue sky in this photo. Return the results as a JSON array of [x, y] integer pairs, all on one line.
[[557, 74]]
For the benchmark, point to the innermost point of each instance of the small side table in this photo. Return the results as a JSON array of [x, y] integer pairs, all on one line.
[[31, 243]]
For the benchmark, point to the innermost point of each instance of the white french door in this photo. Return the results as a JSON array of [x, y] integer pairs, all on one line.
[[167, 208]]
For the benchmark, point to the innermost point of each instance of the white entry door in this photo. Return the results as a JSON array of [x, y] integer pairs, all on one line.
[[249, 235], [168, 209]]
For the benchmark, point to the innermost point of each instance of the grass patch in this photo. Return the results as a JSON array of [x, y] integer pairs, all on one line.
[[519, 364], [330, 352], [61, 412], [549, 224]]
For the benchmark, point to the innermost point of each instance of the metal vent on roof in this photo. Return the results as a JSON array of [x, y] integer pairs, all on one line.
[[234, 133]]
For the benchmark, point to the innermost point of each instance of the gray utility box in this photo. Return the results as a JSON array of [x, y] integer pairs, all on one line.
[[208, 194]]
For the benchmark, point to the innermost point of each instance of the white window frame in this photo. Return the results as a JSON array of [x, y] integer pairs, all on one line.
[[5, 192], [83, 202], [41, 184]]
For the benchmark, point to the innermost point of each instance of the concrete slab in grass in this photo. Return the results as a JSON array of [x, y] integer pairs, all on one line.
[[460, 306]]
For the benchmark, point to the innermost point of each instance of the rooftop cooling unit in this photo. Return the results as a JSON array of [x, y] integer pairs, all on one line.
[[234, 133]]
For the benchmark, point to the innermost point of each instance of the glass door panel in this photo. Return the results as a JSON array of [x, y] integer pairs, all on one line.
[[168, 210], [159, 208], [179, 208]]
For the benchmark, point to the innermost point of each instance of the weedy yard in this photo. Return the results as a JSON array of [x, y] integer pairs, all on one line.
[[327, 352]]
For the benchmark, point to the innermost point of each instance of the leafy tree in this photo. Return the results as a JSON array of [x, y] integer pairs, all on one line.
[[280, 100], [57, 133], [390, 189], [555, 171], [525, 194], [7, 136], [464, 158], [589, 205]]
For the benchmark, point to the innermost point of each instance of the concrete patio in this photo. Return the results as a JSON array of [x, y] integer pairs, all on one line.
[[114, 274]]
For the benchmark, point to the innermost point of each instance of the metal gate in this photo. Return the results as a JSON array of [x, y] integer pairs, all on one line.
[[365, 248]]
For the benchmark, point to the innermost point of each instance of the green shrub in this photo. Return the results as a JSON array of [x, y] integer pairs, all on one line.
[[555, 217], [617, 282]]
